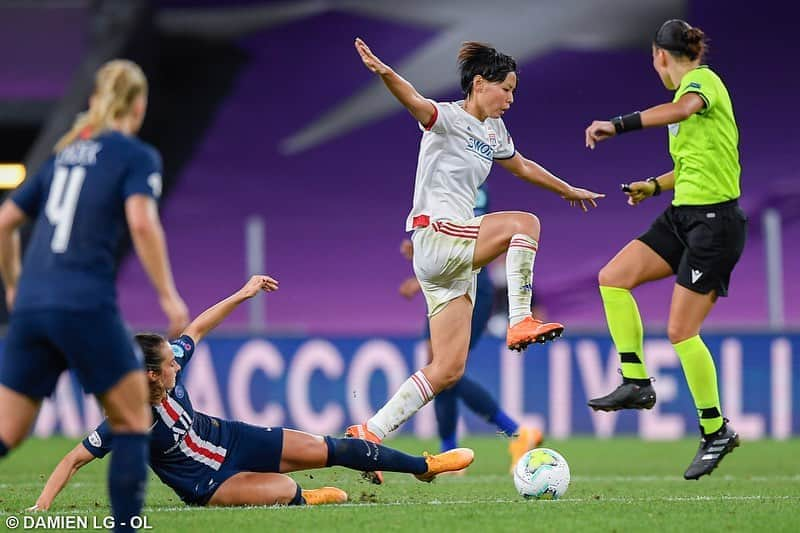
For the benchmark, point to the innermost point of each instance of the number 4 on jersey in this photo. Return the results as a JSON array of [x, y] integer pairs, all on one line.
[[61, 204]]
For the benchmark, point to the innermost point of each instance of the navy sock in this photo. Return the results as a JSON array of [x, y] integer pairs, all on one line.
[[127, 477], [446, 407], [477, 398], [448, 443], [367, 456], [298, 497], [504, 423], [3, 449]]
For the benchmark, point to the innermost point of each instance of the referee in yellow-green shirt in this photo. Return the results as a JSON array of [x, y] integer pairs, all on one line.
[[698, 239]]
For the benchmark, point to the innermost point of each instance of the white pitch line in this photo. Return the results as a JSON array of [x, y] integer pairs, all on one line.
[[511, 501], [517, 501]]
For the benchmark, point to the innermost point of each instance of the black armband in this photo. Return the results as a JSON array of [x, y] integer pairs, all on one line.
[[657, 185], [625, 123]]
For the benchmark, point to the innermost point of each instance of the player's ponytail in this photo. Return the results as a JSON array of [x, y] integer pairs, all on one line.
[[681, 40], [117, 85], [150, 344], [476, 58]]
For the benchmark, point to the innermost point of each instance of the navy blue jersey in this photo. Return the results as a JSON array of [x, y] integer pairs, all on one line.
[[187, 448], [77, 200]]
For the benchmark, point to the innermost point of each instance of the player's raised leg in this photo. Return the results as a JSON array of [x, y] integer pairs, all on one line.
[[516, 233], [635, 264]]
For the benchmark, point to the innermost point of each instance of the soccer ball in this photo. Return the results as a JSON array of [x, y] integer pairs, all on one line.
[[541, 474]]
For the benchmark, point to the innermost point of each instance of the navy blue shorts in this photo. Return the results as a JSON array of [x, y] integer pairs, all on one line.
[[41, 344], [482, 311], [251, 449]]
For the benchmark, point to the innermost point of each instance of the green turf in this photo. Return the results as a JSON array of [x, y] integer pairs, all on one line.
[[617, 485]]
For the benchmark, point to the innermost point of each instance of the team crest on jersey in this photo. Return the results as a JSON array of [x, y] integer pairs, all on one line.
[[492, 136], [177, 351], [673, 129]]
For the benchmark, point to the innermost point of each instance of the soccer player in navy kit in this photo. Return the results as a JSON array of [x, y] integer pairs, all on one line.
[[472, 393], [209, 461], [100, 181]]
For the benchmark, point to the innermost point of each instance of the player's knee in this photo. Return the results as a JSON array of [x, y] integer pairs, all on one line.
[[610, 276], [528, 224], [451, 375], [679, 332], [286, 491]]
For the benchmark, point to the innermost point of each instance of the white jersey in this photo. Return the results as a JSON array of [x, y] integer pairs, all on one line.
[[455, 156]]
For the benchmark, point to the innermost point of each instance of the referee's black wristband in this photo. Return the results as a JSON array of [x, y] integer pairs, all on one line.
[[657, 186], [625, 123]]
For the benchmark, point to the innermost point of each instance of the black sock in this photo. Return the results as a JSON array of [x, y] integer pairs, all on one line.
[[298, 497], [127, 477], [367, 456], [3, 449], [641, 382]]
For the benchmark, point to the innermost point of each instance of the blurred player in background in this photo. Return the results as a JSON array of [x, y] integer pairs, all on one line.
[[215, 462], [100, 183], [472, 393], [460, 142], [698, 239]]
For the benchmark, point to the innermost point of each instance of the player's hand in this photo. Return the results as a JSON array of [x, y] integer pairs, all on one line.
[[177, 314], [11, 294], [582, 197], [370, 60], [257, 284], [599, 130], [407, 249], [640, 191], [38, 507], [409, 288]]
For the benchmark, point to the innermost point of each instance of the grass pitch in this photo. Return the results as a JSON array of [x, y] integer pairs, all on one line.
[[622, 484]]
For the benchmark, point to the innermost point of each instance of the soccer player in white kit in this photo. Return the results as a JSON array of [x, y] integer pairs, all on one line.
[[459, 143]]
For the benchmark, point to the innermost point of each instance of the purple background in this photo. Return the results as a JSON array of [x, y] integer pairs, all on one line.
[[335, 213]]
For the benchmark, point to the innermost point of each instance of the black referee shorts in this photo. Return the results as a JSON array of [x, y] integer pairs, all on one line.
[[701, 243]]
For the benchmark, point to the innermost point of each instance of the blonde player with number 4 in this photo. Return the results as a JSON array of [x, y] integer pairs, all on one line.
[[459, 143]]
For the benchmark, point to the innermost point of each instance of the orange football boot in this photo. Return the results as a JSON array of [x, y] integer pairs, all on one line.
[[449, 461], [531, 330], [324, 496]]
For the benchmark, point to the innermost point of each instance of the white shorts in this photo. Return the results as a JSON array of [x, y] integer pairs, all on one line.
[[443, 253]]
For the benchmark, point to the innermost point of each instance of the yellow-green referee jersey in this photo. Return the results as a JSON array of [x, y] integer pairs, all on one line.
[[704, 147]]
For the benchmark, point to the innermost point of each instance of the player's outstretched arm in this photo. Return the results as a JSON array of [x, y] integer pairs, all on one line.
[[660, 115], [11, 218], [214, 315], [63, 472], [536, 174], [421, 108]]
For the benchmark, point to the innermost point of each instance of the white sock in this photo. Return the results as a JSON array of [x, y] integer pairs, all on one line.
[[409, 398], [519, 273]]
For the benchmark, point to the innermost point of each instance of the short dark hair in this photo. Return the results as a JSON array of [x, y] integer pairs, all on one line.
[[476, 58], [680, 39]]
